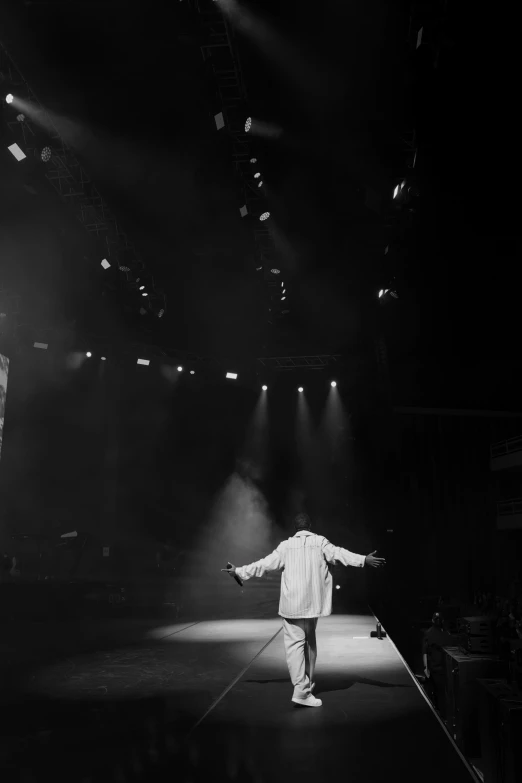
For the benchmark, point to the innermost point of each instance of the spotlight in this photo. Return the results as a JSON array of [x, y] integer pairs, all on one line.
[[248, 124], [180, 369], [334, 384], [124, 269], [145, 362], [105, 264], [145, 294], [192, 372], [161, 313], [300, 389], [253, 160], [232, 375], [45, 154], [396, 192], [265, 216], [260, 185], [275, 271], [88, 354], [15, 150], [257, 175], [103, 359], [283, 298], [9, 98], [264, 388], [141, 287]]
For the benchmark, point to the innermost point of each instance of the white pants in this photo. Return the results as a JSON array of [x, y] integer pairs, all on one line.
[[301, 653]]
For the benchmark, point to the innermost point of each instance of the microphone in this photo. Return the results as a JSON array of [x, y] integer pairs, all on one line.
[[236, 577]]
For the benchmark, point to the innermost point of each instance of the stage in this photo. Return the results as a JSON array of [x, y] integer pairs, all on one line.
[[214, 698]]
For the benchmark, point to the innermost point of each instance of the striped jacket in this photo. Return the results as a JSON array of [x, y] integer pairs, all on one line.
[[306, 582]]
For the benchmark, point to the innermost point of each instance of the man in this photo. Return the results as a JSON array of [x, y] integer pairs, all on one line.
[[306, 595]]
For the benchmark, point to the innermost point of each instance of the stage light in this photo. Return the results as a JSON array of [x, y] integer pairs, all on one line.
[[192, 372], [260, 185], [257, 175], [180, 369], [146, 362], [337, 587], [264, 388], [161, 313], [141, 287], [103, 359], [45, 154], [9, 98], [396, 192], [265, 216], [333, 383], [300, 389], [43, 346], [105, 264], [124, 269], [248, 124], [381, 293], [88, 354], [253, 160], [283, 298], [275, 271], [145, 293], [232, 375], [16, 152]]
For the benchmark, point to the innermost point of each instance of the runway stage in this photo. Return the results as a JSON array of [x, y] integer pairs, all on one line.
[[214, 698]]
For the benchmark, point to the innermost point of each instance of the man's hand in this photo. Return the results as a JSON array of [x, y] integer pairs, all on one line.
[[375, 562], [231, 570]]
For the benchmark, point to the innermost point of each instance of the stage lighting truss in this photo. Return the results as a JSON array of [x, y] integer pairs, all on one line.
[[64, 172], [318, 362], [218, 48]]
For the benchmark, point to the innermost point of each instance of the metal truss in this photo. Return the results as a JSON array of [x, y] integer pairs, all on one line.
[[218, 45], [73, 184], [319, 362], [26, 334]]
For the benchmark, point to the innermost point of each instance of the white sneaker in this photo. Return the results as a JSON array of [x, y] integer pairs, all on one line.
[[310, 701]]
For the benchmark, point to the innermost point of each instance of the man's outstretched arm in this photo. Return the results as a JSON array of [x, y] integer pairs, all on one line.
[[334, 554], [272, 562]]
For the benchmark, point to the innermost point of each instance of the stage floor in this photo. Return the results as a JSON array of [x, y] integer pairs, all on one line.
[[214, 698]]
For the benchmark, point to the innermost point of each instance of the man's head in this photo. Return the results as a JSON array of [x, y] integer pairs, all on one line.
[[302, 522]]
